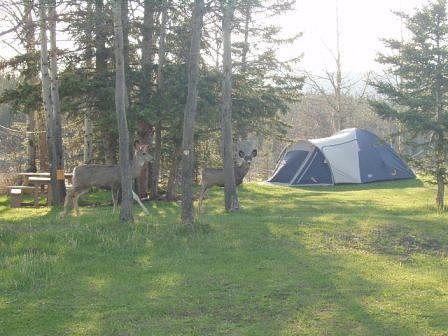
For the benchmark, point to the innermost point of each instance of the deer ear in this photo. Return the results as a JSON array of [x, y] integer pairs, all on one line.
[[241, 154], [254, 153]]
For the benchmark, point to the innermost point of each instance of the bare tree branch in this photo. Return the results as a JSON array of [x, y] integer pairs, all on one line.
[[21, 22]]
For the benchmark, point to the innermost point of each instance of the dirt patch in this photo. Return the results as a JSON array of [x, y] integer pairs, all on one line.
[[393, 240]]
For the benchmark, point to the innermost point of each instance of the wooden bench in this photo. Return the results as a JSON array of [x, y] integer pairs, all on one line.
[[36, 184], [16, 193]]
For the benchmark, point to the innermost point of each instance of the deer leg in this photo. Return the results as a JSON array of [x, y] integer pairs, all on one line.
[[75, 201], [201, 197], [68, 199], [115, 198], [137, 199]]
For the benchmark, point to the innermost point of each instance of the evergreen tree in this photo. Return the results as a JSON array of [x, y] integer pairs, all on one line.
[[419, 99]]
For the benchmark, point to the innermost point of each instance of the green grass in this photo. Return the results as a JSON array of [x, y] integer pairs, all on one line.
[[350, 260]]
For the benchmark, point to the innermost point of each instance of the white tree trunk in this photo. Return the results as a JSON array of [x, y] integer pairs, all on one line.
[[58, 186], [231, 197], [120, 106], [187, 162]]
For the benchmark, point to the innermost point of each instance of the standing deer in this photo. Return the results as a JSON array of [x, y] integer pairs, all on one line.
[[86, 176], [215, 176]]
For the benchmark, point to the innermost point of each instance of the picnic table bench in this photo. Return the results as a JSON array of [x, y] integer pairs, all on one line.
[[36, 184], [16, 192]]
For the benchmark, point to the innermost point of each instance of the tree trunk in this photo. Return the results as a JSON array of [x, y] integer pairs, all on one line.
[[145, 130], [31, 143], [158, 127], [440, 140], [125, 23], [58, 185], [127, 71], [48, 105], [120, 105], [440, 172], [187, 164], [88, 140], [42, 142], [46, 91], [171, 186], [231, 197], [30, 76]]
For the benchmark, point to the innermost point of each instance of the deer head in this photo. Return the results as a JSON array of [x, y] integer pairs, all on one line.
[[243, 166], [142, 154], [247, 158]]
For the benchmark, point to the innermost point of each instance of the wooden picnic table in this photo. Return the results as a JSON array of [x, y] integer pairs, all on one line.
[[42, 182], [27, 176]]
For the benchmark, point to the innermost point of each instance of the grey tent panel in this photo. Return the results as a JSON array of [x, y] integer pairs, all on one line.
[[317, 171], [378, 161], [350, 156], [288, 164]]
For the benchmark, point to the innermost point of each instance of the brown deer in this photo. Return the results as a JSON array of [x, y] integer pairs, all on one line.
[[215, 176], [86, 176]]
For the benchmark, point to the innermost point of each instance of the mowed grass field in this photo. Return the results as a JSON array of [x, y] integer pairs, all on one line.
[[349, 260]]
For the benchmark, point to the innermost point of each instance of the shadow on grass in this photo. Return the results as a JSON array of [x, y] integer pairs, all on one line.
[[266, 270], [398, 184]]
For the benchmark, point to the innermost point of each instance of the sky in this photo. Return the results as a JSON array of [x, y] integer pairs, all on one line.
[[362, 24]]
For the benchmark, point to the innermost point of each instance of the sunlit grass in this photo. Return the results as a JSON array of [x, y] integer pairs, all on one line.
[[347, 260]]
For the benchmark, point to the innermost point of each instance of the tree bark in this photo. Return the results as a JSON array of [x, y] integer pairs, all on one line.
[[231, 197], [120, 105], [47, 95], [127, 71], [88, 124], [45, 72], [31, 143], [30, 75], [158, 127], [440, 172], [145, 130], [171, 186], [187, 164], [88, 140], [42, 142], [58, 185], [440, 140]]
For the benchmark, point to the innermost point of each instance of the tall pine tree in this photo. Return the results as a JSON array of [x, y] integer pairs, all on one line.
[[419, 98]]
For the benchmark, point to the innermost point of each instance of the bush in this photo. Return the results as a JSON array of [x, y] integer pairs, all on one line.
[[7, 179]]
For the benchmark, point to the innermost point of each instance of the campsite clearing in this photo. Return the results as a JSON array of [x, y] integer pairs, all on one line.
[[344, 260]]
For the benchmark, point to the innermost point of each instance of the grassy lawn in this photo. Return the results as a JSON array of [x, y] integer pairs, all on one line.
[[350, 260]]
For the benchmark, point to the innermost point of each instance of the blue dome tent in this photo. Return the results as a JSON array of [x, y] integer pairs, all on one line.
[[352, 155]]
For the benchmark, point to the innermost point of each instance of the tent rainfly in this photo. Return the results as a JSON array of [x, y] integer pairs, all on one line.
[[352, 155]]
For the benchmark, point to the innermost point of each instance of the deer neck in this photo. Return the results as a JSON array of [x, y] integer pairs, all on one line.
[[241, 170], [137, 165]]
